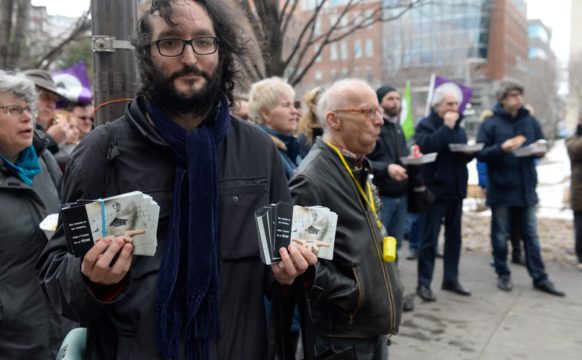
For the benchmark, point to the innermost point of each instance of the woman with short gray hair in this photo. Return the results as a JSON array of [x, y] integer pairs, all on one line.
[[29, 179]]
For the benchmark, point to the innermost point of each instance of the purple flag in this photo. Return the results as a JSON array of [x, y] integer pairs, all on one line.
[[73, 84], [463, 92]]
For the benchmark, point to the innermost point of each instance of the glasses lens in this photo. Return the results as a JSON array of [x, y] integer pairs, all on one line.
[[170, 47], [204, 46]]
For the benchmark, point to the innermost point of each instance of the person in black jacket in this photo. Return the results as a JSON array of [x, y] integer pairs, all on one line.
[[390, 176], [201, 295], [447, 179], [512, 182], [356, 298]]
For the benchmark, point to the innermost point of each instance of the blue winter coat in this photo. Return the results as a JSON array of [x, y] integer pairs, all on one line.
[[512, 180], [447, 176]]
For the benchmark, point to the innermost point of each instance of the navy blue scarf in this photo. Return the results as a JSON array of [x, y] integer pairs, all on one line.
[[188, 283]]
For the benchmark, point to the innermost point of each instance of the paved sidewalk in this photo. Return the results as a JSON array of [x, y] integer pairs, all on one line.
[[491, 324]]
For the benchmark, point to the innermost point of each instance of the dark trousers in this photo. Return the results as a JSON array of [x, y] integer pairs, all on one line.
[[431, 221], [374, 348], [578, 234], [500, 228]]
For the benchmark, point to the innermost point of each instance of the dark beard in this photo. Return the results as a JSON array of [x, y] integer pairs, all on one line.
[[164, 94]]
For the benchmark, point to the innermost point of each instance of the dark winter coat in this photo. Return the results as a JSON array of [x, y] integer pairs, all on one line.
[[29, 327], [512, 180], [356, 294], [446, 177], [574, 146], [390, 147], [128, 154]]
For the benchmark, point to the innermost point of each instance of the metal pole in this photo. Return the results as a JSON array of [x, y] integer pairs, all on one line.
[[114, 64]]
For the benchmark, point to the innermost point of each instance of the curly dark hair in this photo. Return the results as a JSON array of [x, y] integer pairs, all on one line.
[[230, 46]]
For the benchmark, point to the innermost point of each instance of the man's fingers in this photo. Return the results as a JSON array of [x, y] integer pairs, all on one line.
[[105, 260], [93, 254], [123, 262]]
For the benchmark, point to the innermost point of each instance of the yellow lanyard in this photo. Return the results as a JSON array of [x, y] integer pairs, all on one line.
[[368, 198]]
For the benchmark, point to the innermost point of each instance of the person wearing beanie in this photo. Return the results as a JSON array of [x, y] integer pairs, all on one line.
[[512, 182], [390, 175]]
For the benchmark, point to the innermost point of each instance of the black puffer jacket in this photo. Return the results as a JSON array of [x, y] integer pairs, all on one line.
[[29, 327], [250, 175], [356, 294], [390, 147]]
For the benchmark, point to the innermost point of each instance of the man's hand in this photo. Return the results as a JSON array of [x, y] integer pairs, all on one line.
[[450, 119], [60, 131], [294, 261], [512, 144], [97, 266], [397, 172]]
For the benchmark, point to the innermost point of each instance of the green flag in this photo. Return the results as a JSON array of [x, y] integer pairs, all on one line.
[[406, 119]]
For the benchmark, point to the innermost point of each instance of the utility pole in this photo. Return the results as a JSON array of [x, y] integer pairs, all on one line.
[[114, 63]]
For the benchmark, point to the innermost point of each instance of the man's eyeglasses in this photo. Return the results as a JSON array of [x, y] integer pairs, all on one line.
[[175, 47], [369, 112], [83, 117], [16, 110]]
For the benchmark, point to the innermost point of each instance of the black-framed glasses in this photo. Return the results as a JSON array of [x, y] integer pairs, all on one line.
[[83, 117], [369, 112], [16, 110], [175, 47]]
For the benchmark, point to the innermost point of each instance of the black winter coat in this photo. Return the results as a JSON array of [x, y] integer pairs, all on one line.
[[446, 177], [356, 294], [127, 155], [390, 147], [29, 326], [512, 181]]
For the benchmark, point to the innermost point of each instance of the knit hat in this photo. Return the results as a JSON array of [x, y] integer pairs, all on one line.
[[42, 79], [383, 90]]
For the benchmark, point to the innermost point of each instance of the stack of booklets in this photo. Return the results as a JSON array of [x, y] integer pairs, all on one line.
[[132, 215], [280, 224]]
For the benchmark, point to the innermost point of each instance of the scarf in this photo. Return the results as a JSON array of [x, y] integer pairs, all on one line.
[[26, 166], [188, 283]]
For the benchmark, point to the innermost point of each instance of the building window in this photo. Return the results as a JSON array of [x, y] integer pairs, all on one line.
[[344, 50], [369, 48], [333, 51], [318, 75], [333, 74], [315, 50], [358, 49]]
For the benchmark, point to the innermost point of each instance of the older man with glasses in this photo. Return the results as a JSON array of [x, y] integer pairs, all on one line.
[[84, 118]]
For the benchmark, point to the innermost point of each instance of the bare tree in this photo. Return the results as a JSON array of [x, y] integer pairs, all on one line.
[[15, 41], [286, 34], [14, 17]]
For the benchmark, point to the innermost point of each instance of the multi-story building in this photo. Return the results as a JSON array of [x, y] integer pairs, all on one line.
[[542, 77], [476, 42], [575, 66]]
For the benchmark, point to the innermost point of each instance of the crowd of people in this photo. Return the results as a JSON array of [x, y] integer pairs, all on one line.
[[210, 158]]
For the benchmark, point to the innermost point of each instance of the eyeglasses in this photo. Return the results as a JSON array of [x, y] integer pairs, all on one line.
[[16, 110], [83, 117], [369, 112], [175, 47]]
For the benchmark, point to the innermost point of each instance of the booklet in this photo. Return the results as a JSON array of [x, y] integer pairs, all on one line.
[[466, 148], [133, 215], [280, 224], [537, 148], [419, 159]]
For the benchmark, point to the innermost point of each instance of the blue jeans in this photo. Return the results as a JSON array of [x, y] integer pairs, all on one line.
[[414, 231], [500, 229], [394, 210]]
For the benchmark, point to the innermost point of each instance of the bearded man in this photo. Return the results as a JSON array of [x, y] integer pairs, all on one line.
[[201, 295]]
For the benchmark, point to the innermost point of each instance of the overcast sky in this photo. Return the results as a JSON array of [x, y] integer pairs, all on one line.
[[554, 13]]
